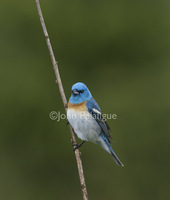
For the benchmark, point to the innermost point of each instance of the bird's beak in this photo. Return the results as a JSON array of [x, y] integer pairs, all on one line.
[[75, 92]]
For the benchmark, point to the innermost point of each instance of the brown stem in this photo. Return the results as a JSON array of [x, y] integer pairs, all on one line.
[[60, 86]]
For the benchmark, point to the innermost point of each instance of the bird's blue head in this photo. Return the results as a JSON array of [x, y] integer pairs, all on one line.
[[80, 93]]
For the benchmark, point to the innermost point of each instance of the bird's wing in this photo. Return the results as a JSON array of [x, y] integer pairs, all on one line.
[[95, 111]]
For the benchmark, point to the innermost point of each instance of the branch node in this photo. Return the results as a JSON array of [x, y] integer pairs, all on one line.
[[56, 81], [46, 37]]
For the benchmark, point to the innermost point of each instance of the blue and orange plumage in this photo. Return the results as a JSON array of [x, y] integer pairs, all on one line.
[[86, 118]]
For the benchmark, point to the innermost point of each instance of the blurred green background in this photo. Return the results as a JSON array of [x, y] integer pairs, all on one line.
[[121, 50]]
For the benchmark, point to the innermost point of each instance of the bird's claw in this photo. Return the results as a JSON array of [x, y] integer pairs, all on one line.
[[77, 146]]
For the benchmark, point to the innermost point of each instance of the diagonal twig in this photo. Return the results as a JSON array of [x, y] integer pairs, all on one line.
[[60, 86]]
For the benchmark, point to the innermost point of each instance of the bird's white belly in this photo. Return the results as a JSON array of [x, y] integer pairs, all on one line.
[[84, 125]]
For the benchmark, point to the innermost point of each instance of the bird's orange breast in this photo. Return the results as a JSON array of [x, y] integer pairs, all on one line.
[[78, 107]]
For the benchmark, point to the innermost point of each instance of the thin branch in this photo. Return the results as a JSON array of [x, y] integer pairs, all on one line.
[[60, 86]]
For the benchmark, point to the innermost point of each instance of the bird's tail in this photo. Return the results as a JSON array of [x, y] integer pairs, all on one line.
[[109, 149]]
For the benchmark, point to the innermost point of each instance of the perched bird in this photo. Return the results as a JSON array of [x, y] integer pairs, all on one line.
[[86, 118]]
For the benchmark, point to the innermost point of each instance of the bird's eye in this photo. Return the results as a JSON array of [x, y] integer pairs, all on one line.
[[81, 91]]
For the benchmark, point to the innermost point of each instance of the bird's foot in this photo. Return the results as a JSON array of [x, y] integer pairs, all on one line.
[[77, 146]]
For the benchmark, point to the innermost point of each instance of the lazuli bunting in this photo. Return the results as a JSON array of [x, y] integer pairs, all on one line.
[[86, 118]]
